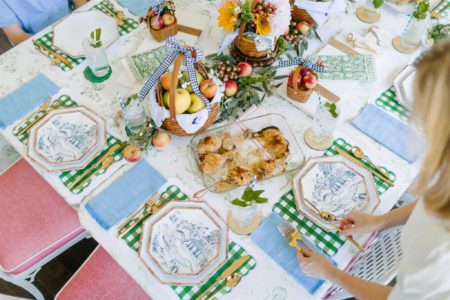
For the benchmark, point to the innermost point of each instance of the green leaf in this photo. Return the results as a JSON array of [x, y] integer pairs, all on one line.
[[377, 3], [421, 10], [248, 194], [257, 193], [240, 203], [316, 34], [261, 200]]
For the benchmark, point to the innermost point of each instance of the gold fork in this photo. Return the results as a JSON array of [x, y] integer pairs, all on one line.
[[153, 209], [147, 204], [292, 236], [44, 113]]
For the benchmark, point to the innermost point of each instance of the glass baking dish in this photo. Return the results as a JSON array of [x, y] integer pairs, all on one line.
[[293, 161]]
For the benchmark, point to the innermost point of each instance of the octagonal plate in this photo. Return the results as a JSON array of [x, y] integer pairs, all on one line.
[[333, 184], [184, 243], [67, 139], [70, 33]]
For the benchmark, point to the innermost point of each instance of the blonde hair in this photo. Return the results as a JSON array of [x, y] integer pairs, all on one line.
[[432, 112]]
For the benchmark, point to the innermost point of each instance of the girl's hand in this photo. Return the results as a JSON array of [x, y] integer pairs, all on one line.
[[362, 223], [315, 265]]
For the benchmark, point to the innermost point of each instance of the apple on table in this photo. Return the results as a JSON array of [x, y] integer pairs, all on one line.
[[161, 139]]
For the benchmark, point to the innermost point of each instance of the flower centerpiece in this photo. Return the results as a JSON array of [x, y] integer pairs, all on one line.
[[161, 20], [259, 24]]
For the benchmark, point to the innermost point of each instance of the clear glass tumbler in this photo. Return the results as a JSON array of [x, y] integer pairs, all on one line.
[[324, 122], [413, 32], [370, 10], [134, 114], [244, 216], [96, 59]]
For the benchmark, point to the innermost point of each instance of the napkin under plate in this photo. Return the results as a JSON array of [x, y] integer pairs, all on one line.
[[26, 98], [270, 240], [125, 195], [392, 133]]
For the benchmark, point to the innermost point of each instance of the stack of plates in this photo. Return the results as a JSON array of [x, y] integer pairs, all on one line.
[[333, 184], [184, 243], [67, 139], [404, 87]]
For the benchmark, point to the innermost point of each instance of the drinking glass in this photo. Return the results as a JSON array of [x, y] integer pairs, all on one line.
[[413, 32], [96, 59], [134, 114], [370, 9], [244, 216], [324, 122]]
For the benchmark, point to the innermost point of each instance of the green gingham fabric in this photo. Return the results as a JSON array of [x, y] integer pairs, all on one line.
[[47, 39], [67, 177], [328, 242], [132, 238], [388, 101], [441, 10]]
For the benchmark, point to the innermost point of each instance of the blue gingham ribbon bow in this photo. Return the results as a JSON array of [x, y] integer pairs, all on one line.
[[174, 44], [301, 61], [157, 10]]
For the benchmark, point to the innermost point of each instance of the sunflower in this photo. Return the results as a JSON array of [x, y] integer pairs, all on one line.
[[228, 16], [262, 25]]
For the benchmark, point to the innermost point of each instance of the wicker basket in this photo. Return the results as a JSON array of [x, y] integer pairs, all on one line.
[[163, 33], [170, 123], [298, 93], [299, 14]]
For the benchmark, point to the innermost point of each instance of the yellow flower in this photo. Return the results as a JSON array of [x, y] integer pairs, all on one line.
[[262, 25], [227, 16]]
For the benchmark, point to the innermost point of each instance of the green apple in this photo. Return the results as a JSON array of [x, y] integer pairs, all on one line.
[[166, 99], [186, 78], [197, 104], [182, 100]]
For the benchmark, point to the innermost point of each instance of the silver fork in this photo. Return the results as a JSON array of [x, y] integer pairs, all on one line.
[[292, 236]]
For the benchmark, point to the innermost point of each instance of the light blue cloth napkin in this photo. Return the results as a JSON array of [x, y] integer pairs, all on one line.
[[26, 98], [395, 135], [125, 195], [138, 8], [269, 239]]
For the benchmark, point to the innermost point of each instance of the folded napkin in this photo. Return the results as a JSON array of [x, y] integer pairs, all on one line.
[[270, 240], [125, 195], [138, 8], [320, 11], [26, 98], [395, 135], [347, 67]]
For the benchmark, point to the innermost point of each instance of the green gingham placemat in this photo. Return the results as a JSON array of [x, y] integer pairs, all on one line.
[[441, 10], [67, 177], [328, 242], [388, 101], [47, 39], [132, 238]]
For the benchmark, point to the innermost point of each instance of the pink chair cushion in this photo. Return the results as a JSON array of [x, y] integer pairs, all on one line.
[[100, 277], [34, 220]]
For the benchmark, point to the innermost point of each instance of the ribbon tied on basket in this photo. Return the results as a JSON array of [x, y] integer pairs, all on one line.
[[156, 9], [301, 61], [190, 60]]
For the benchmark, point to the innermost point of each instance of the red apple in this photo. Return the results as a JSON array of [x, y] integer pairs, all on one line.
[[156, 23], [208, 88], [231, 88], [310, 81], [291, 80], [168, 19], [245, 69], [132, 153], [161, 139], [304, 71], [304, 27], [166, 80]]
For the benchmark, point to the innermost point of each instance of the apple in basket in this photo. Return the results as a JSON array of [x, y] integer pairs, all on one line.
[[168, 19], [197, 104], [156, 23], [166, 80], [182, 100], [161, 139], [231, 88], [208, 88], [310, 81], [131, 153], [245, 69], [185, 78], [304, 71], [291, 79], [304, 27]]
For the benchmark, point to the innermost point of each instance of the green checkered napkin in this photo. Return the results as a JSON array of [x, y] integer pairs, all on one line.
[[70, 176], [132, 238], [441, 10], [328, 242], [347, 67], [388, 101], [47, 39]]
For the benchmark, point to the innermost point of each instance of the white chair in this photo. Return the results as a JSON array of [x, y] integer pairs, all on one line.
[[36, 225]]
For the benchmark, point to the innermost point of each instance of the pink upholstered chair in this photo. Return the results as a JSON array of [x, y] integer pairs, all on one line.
[[100, 277], [36, 225]]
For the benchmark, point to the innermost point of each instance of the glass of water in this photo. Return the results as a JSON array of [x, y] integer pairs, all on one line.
[[134, 114], [325, 121], [413, 32]]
